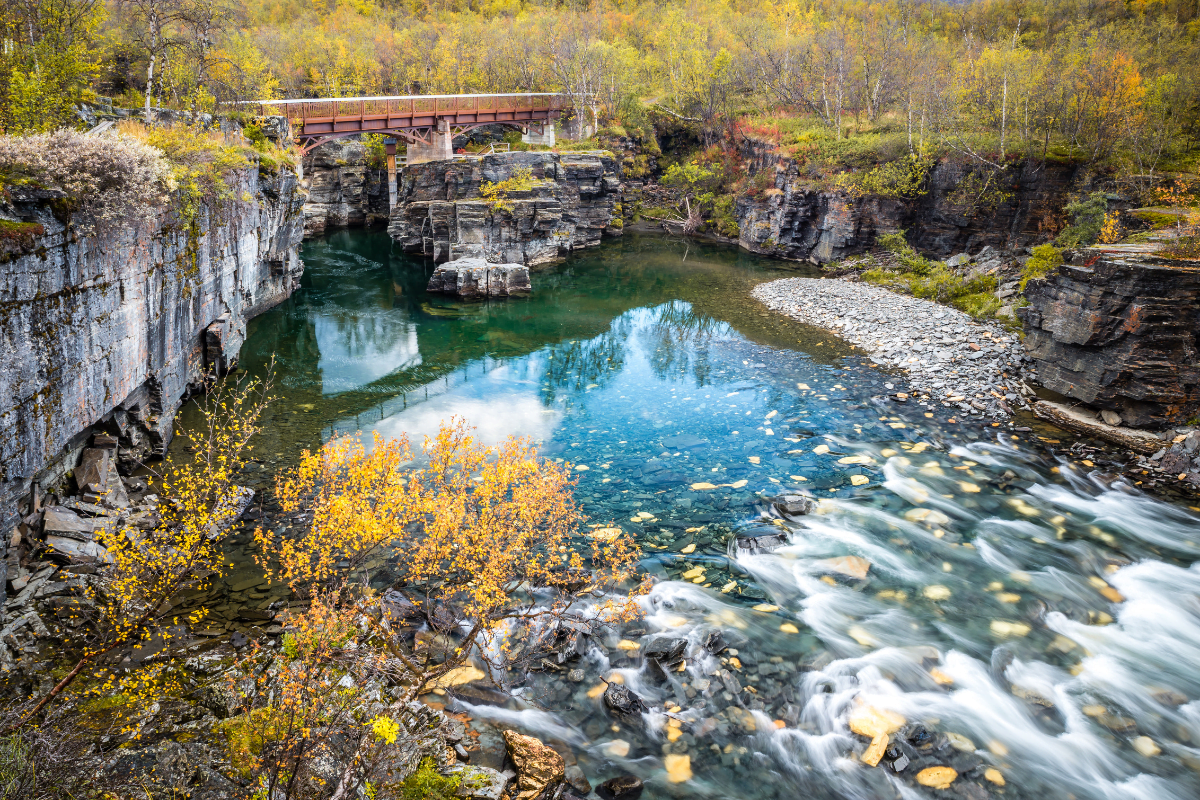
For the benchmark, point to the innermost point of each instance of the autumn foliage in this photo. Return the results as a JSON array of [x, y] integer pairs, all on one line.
[[481, 557]]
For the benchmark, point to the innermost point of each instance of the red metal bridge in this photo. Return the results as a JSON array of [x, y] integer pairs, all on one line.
[[422, 120]]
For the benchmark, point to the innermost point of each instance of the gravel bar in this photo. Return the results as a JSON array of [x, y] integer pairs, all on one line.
[[950, 358]]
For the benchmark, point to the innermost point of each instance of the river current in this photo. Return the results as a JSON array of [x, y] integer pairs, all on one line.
[[998, 609]]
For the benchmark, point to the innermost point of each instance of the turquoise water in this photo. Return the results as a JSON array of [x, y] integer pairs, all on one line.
[[1029, 606]]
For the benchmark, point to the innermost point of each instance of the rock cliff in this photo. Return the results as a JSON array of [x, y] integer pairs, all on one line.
[[110, 333], [798, 217], [570, 203], [343, 192], [1121, 335]]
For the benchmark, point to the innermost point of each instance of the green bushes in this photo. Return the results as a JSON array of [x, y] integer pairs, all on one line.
[[1045, 258], [897, 245], [724, 216], [901, 178]]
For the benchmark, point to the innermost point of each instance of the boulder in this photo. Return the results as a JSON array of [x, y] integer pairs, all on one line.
[[794, 504], [97, 477], [473, 278], [539, 768], [760, 540], [480, 783]]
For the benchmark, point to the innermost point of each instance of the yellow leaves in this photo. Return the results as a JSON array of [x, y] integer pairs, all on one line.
[[937, 777], [386, 729]]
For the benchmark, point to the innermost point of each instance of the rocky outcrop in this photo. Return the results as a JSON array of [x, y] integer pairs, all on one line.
[[569, 204], [110, 333], [473, 277], [798, 217], [1121, 335], [338, 193]]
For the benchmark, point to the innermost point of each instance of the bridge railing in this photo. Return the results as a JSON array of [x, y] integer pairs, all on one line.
[[333, 108]]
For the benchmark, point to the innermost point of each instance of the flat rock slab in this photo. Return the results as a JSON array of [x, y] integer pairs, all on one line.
[[475, 277]]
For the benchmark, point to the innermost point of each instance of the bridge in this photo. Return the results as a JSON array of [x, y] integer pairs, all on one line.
[[428, 123]]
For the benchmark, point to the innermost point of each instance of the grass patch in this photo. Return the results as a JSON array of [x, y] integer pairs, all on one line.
[[1155, 219], [18, 238], [1186, 248], [932, 280]]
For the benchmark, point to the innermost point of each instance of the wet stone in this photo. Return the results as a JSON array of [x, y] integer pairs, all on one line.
[[624, 703], [622, 787], [794, 504], [760, 541]]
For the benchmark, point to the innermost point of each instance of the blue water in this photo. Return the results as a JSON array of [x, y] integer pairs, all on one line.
[[987, 610]]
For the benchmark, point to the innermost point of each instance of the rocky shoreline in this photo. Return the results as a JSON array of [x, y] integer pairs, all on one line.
[[951, 359]]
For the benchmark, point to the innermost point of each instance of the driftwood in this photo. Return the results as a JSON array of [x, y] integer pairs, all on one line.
[[1065, 417]]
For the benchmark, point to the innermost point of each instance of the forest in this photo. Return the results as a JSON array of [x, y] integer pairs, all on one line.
[[1106, 83]]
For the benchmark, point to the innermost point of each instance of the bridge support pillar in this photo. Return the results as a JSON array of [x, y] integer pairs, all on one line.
[[440, 148], [546, 137], [390, 150]]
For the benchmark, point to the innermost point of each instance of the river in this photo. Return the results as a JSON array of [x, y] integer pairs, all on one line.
[[1029, 622]]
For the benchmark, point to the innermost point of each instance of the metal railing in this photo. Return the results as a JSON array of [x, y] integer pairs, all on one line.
[[333, 108]]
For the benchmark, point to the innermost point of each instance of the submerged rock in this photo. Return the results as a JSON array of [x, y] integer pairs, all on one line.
[[475, 277], [622, 787]]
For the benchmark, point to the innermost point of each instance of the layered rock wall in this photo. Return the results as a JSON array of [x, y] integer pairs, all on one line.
[[569, 205], [112, 331], [1119, 334], [798, 217], [343, 191]]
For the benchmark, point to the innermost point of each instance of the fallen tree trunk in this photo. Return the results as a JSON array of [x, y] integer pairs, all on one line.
[[1065, 417]]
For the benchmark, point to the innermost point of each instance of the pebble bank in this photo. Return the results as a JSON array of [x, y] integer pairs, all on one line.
[[950, 357]]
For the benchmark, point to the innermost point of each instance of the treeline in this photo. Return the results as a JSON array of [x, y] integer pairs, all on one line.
[[1104, 80]]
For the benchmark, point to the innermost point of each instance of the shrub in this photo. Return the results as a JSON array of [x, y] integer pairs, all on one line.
[[1045, 258], [107, 181], [496, 194], [254, 134], [725, 216], [1087, 220], [901, 178], [376, 150]]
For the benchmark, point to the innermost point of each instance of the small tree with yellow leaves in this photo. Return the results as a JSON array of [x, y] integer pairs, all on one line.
[[484, 553], [148, 571]]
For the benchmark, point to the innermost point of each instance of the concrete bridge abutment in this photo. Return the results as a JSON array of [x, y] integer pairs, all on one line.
[[440, 146]]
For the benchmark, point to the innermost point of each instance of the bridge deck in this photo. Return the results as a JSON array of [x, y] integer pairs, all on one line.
[[413, 117]]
